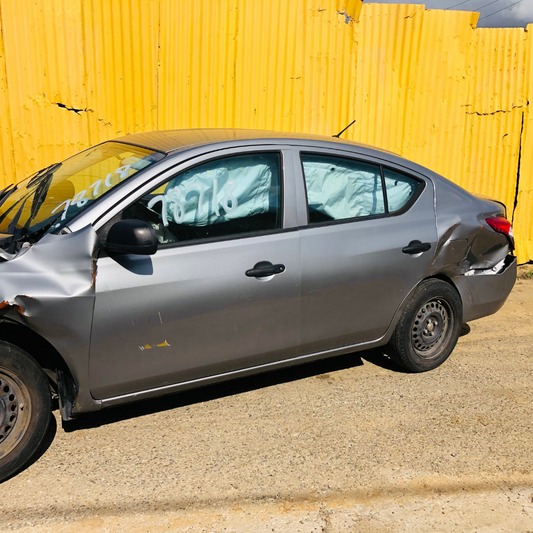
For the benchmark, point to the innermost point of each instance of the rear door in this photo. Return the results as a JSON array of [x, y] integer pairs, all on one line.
[[357, 265], [222, 292]]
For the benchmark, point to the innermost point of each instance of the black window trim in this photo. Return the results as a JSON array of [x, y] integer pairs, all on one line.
[[235, 236], [413, 199], [387, 214], [384, 188], [222, 238]]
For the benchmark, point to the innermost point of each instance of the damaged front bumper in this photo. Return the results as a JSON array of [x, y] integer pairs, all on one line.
[[485, 291]]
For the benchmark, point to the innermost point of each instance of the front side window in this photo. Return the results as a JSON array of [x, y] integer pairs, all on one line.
[[339, 188], [224, 197]]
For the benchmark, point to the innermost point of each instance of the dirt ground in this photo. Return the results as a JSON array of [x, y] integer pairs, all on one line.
[[347, 445]]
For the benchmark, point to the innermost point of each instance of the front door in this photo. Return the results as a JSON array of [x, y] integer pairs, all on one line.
[[207, 302]]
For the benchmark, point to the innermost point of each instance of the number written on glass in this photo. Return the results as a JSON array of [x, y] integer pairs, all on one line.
[[80, 200]]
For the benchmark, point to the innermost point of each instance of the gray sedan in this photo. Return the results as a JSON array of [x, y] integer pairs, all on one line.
[[163, 261]]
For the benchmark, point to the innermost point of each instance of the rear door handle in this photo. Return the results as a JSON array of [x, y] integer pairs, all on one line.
[[416, 247], [264, 269]]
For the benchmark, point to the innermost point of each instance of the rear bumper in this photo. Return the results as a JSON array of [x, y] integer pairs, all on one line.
[[483, 295]]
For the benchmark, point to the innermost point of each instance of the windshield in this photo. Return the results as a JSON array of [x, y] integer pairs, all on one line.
[[48, 200]]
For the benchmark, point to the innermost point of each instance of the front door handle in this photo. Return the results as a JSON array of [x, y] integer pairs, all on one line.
[[264, 269], [416, 247]]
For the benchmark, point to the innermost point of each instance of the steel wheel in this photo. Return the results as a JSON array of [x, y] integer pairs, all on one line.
[[25, 409], [15, 411], [428, 328], [432, 324]]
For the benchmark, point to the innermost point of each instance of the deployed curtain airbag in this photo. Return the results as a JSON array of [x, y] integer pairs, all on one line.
[[218, 191]]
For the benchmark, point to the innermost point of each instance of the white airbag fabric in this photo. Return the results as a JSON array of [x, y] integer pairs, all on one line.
[[219, 191], [343, 191], [399, 189]]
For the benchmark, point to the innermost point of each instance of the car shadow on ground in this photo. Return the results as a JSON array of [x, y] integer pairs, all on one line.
[[376, 357], [230, 388]]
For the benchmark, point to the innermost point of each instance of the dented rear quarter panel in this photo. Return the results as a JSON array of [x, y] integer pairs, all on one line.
[[465, 241], [468, 249]]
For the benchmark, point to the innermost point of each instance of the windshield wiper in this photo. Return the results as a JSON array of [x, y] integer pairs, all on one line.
[[7, 190], [48, 170], [22, 235], [37, 234], [40, 195], [12, 228], [4, 193]]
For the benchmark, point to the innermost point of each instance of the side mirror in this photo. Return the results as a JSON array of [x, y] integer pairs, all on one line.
[[131, 237]]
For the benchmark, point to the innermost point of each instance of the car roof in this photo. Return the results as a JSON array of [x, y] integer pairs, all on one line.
[[178, 140]]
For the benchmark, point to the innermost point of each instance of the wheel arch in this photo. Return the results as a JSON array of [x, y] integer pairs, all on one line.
[[443, 277], [416, 310], [405, 301], [446, 279], [60, 376]]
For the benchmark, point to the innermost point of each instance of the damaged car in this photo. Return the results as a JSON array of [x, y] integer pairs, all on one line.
[[162, 261]]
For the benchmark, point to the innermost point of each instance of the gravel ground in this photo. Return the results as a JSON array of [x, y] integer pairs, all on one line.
[[351, 444]]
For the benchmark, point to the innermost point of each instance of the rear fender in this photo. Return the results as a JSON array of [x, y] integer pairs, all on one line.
[[465, 241]]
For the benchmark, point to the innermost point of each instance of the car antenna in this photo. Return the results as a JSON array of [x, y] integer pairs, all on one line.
[[341, 132]]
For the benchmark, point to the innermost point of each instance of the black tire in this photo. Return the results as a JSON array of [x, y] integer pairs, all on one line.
[[25, 409], [429, 327]]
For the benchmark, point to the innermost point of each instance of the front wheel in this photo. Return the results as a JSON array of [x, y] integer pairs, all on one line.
[[429, 327], [25, 408]]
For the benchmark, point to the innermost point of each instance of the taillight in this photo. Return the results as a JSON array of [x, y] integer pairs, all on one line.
[[502, 225]]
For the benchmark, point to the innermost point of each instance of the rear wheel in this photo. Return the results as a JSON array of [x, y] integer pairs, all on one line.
[[25, 408], [429, 327]]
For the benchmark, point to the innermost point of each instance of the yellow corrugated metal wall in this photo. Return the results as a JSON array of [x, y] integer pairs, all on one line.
[[424, 83], [523, 215]]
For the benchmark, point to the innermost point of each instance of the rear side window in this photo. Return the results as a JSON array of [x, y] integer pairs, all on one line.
[[339, 188], [400, 189], [220, 198]]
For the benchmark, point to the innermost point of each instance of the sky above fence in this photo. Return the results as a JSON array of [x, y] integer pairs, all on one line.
[[493, 13]]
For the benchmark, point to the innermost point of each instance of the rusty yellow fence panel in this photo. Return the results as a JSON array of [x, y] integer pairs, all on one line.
[[120, 42], [436, 135], [45, 76], [197, 63], [423, 83], [385, 80], [257, 64], [307, 59], [523, 216], [7, 173], [495, 109]]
